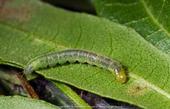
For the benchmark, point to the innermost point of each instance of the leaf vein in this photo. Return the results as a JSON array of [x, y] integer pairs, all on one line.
[[136, 21], [148, 11], [160, 12], [121, 4], [152, 86], [48, 43], [155, 32]]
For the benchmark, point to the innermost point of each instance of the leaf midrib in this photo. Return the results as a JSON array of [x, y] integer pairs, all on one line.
[[151, 86], [132, 75], [150, 14]]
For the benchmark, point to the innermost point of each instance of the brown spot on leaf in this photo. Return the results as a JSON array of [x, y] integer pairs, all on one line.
[[20, 13], [137, 88]]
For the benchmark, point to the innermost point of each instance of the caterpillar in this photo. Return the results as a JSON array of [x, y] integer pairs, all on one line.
[[74, 55]]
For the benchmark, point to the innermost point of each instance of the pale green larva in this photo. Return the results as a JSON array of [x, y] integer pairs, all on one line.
[[73, 55]]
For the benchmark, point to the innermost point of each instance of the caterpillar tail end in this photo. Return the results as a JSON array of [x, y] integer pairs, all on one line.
[[121, 76], [28, 70]]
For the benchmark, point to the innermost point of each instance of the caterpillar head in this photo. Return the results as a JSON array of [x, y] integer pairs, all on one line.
[[121, 76]]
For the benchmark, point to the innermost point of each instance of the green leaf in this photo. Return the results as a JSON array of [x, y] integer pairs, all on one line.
[[150, 18], [72, 96], [35, 28], [18, 102]]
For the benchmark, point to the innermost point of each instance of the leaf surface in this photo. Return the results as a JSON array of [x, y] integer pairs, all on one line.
[[18, 102], [39, 28], [150, 18]]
